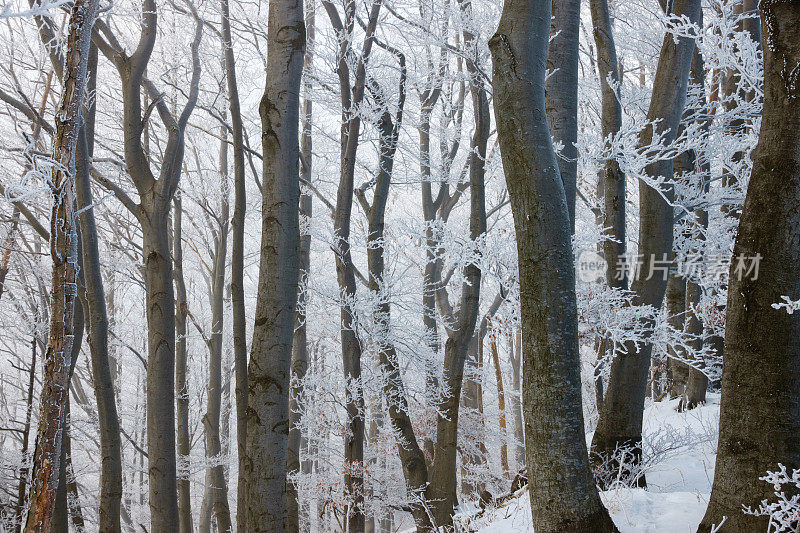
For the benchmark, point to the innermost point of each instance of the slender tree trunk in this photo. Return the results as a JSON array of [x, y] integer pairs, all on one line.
[[110, 445], [351, 100], [26, 432], [237, 262], [565, 499], [271, 351], [218, 486], [612, 179], [61, 511], [63, 250], [620, 423], [501, 402], [760, 413], [515, 350], [184, 444], [300, 340]]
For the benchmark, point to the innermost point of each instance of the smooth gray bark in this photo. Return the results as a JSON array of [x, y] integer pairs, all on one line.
[[271, 350], [565, 498], [237, 259], [97, 322], [153, 213]]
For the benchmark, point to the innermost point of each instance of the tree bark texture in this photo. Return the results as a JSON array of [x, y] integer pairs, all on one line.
[[565, 499], [271, 351], [760, 411], [63, 251]]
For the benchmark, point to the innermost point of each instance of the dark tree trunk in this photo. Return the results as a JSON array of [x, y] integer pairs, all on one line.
[[184, 442], [351, 99], [620, 423], [565, 499], [760, 411], [237, 261], [97, 321]]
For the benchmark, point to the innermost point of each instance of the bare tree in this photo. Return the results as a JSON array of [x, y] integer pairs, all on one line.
[[351, 98], [565, 498], [620, 423], [152, 213]]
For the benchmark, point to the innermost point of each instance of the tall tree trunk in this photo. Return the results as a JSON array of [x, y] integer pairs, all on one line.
[[442, 491], [620, 423], [63, 250], [565, 499], [110, 445], [184, 443], [561, 95], [697, 383], [300, 339], [351, 100], [760, 413], [612, 179], [271, 351], [218, 486], [152, 212], [237, 261]]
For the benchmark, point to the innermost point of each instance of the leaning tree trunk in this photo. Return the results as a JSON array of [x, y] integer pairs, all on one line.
[[620, 423], [63, 250], [565, 499], [760, 410], [97, 321], [271, 351]]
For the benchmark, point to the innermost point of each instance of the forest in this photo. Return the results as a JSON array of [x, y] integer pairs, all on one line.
[[377, 266]]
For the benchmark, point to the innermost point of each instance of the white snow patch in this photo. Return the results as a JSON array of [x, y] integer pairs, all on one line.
[[681, 468]]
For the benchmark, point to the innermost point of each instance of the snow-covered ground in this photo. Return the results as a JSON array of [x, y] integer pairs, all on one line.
[[679, 453]]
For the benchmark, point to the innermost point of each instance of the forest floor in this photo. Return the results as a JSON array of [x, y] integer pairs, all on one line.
[[680, 451]]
